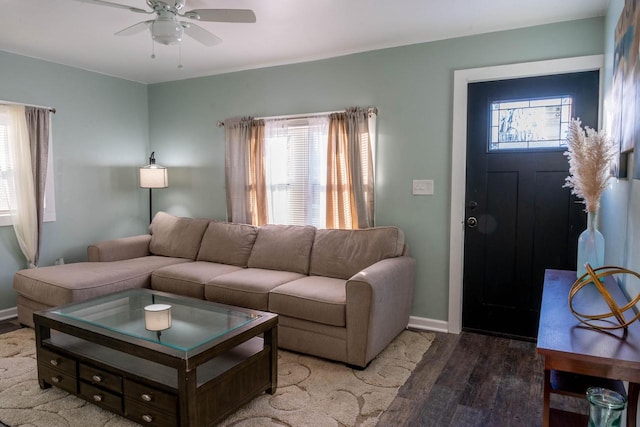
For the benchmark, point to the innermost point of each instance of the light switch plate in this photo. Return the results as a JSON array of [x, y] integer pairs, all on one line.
[[422, 187]]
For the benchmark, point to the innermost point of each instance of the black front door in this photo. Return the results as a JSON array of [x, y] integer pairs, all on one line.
[[519, 218]]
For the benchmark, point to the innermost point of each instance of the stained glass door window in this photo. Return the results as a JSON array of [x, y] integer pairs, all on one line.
[[530, 124]]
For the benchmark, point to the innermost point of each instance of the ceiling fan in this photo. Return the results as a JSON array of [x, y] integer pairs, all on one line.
[[167, 29]]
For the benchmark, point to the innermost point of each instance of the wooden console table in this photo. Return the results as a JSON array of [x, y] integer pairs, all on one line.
[[569, 346]]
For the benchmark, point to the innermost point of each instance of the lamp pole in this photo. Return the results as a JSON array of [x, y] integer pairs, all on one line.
[[150, 202]]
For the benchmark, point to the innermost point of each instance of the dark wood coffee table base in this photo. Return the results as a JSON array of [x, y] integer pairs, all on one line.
[[149, 387]]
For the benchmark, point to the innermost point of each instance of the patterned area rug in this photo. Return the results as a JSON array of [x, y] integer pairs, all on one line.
[[311, 391]]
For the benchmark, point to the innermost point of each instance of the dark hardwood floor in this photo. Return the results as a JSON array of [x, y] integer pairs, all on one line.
[[467, 380], [9, 325], [475, 380]]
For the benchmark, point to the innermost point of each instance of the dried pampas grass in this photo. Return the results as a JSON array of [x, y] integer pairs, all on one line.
[[590, 155]]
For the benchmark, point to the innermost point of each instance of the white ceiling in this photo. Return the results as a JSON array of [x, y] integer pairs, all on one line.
[[287, 31]]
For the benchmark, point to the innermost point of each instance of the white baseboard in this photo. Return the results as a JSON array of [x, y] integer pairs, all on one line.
[[8, 313], [415, 322], [425, 324]]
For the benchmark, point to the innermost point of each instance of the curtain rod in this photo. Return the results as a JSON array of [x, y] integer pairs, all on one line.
[[53, 110], [300, 116]]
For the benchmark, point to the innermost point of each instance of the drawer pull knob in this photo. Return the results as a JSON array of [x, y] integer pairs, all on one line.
[[54, 362], [146, 397], [97, 398], [97, 378], [147, 418], [56, 379]]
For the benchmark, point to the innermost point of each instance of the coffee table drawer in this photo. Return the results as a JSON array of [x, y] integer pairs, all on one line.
[[148, 415], [100, 397], [100, 377], [150, 397], [56, 361], [58, 378]]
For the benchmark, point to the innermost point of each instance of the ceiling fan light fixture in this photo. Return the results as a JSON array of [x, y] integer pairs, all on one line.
[[166, 31]]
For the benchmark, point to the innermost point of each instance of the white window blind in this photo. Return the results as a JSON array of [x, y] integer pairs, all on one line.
[[296, 166], [4, 166]]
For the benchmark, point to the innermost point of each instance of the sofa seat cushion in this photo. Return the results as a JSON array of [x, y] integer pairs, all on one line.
[[176, 237], [247, 288], [343, 253], [314, 298], [188, 279], [283, 247], [62, 284]]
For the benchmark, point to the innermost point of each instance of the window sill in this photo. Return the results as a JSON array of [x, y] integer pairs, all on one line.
[[5, 220]]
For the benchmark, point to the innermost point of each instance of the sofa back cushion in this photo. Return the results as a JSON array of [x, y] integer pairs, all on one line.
[[176, 237], [283, 247], [228, 243], [343, 253]]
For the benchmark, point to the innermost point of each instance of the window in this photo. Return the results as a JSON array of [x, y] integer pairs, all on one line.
[[6, 175], [4, 165], [302, 170], [296, 170], [530, 124]]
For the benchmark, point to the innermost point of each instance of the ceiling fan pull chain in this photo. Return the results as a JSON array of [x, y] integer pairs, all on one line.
[[153, 49], [179, 55]]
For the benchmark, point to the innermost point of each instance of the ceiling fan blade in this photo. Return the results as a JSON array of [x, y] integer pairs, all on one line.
[[222, 15], [200, 34], [118, 5], [135, 28]]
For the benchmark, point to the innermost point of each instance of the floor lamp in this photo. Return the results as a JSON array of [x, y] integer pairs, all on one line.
[[153, 176]]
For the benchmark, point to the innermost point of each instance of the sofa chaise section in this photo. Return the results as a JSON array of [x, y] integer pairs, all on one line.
[[114, 265], [46, 287]]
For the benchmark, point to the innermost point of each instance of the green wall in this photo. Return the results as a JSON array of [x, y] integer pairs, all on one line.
[[100, 137], [412, 87], [620, 210], [105, 128]]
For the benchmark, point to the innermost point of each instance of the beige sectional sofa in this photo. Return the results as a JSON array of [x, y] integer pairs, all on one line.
[[340, 294]]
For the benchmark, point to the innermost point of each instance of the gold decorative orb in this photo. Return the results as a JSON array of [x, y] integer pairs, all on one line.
[[613, 319]]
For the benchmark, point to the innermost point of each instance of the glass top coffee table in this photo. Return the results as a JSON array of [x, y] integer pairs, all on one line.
[[157, 358]]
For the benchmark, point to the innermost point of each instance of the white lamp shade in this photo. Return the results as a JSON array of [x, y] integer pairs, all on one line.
[[157, 317], [154, 176]]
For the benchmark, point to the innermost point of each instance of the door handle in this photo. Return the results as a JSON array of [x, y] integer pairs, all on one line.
[[472, 222]]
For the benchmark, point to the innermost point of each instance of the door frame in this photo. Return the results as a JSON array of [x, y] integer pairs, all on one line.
[[461, 80]]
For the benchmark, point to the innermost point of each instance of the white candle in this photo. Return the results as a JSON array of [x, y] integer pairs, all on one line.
[[157, 317]]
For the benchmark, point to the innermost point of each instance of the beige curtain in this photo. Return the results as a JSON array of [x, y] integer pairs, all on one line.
[[28, 147], [245, 171], [38, 125], [350, 174]]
